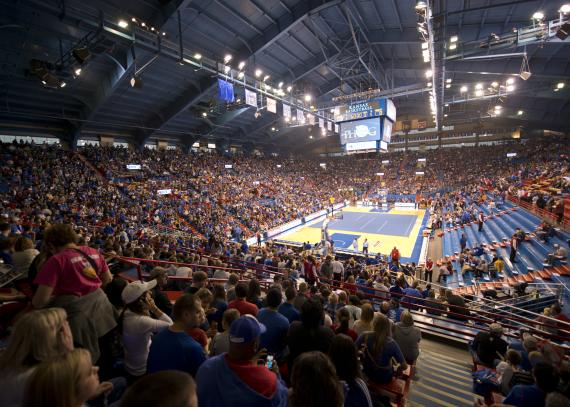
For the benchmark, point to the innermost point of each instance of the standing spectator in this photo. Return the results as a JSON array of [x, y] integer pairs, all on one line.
[[287, 308], [480, 220], [72, 279], [37, 336], [235, 378], [408, 337], [326, 271], [428, 271], [365, 247], [172, 348], [309, 334], [138, 326], [312, 371], [344, 357], [364, 324], [221, 342], [514, 248], [276, 324], [463, 242], [244, 307], [355, 244], [338, 270], [379, 350], [395, 255], [168, 389]]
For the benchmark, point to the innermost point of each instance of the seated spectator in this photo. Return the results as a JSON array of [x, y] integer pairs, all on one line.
[[172, 348], [235, 378], [160, 299], [457, 306], [353, 309], [314, 370], [287, 308], [489, 346], [233, 280], [408, 337], [72, 279], [244, 307], [301, 296], [434, 306], [254, 293], [309, 334], [506, 369], [379, 351], [277, 326], [167, 389], [534, 395], [344, 357], [412, 296], [343, 323], [199, 280], [221, 342], [138, 326], [364, 324], [220, 305], [332, 307], [67, 380], [7, 249], [559, 254], [24, 254], [37, 336], [395, 311]]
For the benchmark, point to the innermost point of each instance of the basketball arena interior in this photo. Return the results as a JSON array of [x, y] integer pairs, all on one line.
[[284, 203]]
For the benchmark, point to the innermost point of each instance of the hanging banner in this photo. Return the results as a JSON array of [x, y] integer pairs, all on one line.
[[286, 110], [311, 119], [336, 128], [300, 116], [321, 123], [250, 98], [329, 125], [225, 91], [271, 105]]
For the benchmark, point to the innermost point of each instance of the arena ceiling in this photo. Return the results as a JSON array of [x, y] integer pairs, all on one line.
[[327, 49]]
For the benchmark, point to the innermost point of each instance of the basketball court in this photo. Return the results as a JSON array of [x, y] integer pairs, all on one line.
[[384, 229]]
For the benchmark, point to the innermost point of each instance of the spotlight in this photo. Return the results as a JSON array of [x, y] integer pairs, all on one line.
[[44, 83], [62, 84], [143, 24], [77, 72], [464, 89], [123, 24], [447, 86], [479, 93], [241, 65], [538, 16], [81, 54], [565, 9], [287, 119], [520, 113], [498, 107], [240, 75], [163, 34], [136, 82], [258, 73], [226, 69], [152, 28], [227, 58], [425, 45], [134, 20], [307, 98], [266, 77], [204, 114], [453, 39], [449, 80], [429, 73], [560, 85], [197, 56], [289, 88], [510, 81], [273, 129], [421, 5], [525, 75], [452, 46], [428, 84], [479, 86], [510, 88], [495, 84], [280, 85]]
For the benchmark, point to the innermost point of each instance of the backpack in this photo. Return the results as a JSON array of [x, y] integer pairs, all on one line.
[[485, 381]]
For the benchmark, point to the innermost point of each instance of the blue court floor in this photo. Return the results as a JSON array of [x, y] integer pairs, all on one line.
[[378, 223]]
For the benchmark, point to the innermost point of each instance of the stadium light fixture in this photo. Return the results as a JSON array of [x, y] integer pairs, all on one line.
[[241, 65], [498, 107], [478, 93], [510, 81], [152, 28], [77, 72], [494, 84], [520, 113], [425, 45], [204, 114], [227, 69], [143, 24], [289, 88], [62, 84], [307, 98], [280, 85], [539, 15], [240, 75], [448, 86], [258, 73], [421, 5], [428, 84], [453, 39], [134, 20], [510, 88], [429, 73], [565, 9], [266, 77], [123, 24], [197, 56], [453, 46], [560, 85], [227, 58], [464, 89], [448, 80]]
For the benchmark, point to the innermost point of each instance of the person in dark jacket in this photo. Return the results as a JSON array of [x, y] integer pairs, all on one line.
[[489, 346], [160, 299]]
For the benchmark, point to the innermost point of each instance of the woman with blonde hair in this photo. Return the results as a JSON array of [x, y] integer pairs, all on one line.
[[67, 381], [365, 322], [37, 336], [408, 337], [379, 351]]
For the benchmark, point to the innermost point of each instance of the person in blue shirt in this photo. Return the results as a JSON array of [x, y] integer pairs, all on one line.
[[463, 242], [287, 309], [412, 296], [395, 310], [276, 324], [173, 348], [379, 349], [534, 395]]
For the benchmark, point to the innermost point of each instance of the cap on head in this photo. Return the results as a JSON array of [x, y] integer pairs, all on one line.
[[246, 329], [135, 289]]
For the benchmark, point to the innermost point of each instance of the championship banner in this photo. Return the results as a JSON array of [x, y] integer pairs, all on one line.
[[311, 119], [321, 123], [271, 105], [300, 116], [250, 98], [329, 126], [286, 110], [336, 128]]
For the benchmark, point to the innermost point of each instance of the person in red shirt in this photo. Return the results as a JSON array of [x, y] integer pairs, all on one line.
[[310, 269], [342, 326], [395, 255], [244, 307], [428, 271]]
